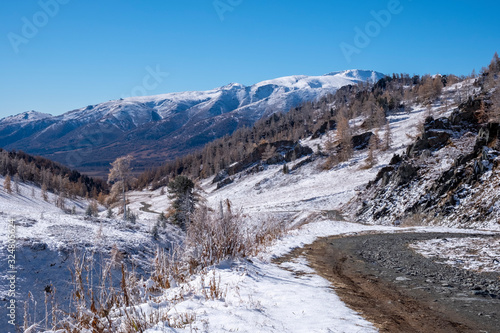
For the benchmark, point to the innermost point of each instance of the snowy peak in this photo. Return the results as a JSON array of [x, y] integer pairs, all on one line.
[[25, 117], [358, 75]]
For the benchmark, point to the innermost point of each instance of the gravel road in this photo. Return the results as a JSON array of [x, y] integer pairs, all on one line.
[[400, 290]]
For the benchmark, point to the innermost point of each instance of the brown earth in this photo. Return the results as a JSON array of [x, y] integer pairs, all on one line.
[[398, 290]]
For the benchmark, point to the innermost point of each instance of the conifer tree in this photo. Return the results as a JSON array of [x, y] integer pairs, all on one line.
[[495, 103], [494, 66], [329, 145], [372, 147], [45, 195], [17, 187], [181, 191]]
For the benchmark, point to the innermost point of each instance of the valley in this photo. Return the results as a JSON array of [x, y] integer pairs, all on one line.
[[249, 166], [275, 223]]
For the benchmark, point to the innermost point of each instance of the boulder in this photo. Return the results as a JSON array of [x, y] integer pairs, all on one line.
[[223, 183], [302, 163], [327, 125], [384, 174], [298, 151], [404, 174], [360, 142], [221, 175]]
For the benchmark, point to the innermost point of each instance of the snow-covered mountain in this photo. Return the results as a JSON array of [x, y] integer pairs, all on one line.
[[25, 117], [156, 128]]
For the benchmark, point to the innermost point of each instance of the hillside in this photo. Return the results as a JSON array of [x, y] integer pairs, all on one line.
[[448, 176]]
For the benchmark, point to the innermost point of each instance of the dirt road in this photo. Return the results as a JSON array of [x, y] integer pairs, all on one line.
[[398, 290]]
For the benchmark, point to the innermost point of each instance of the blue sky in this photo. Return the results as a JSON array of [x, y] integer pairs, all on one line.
[[87, 52]]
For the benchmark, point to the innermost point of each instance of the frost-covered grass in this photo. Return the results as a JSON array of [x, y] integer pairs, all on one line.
[[47, 238], [259, 295]]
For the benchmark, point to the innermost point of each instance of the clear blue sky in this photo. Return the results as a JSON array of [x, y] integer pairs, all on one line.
[[93, 51]]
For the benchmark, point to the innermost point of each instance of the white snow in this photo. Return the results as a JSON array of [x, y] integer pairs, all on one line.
[[310, 189], [27, 116], [472, 253], [262, 296]]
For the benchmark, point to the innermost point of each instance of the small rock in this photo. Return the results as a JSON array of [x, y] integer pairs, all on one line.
[[402, 278]]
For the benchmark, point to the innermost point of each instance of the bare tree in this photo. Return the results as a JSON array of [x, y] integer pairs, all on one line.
[[44, 193], [121, 174], [387, 137], [16, 184], [371, 160], [330, 145], [7, 184], [344, 136], [495, 103], [494, 66]]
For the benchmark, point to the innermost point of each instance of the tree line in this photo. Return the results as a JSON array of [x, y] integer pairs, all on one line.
[[53, 177]]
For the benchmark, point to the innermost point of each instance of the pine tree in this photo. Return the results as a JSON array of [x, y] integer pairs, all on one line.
[[7, 186], [181, 191], [495, 103], [494, 66], [330, 144], [380, 118], [45, 195], [88, 211], [17, 187]]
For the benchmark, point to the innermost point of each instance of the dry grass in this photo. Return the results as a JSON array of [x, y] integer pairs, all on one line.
[[101, 304], [414, 220]]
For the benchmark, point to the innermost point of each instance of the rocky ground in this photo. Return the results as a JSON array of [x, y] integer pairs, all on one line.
[[399, 290], [448, 176]]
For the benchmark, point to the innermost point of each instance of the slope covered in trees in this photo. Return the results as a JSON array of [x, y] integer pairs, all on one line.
[[48, 175], [372, 102]]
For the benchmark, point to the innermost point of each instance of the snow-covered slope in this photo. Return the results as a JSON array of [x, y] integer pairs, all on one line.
[[47, 240], [158, 127]]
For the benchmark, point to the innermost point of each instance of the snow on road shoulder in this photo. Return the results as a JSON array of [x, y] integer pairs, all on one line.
[[263, 296], [471, 253]]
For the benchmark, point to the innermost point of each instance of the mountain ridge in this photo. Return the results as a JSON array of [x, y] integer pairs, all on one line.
[[161, 127]]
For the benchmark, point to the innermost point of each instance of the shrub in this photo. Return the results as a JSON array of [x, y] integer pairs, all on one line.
[[92, 209], [214, 237]]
